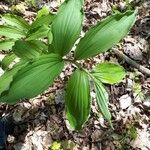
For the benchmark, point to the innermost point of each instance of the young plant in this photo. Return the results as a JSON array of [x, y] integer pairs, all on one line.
[[36, 72], [19, 33]]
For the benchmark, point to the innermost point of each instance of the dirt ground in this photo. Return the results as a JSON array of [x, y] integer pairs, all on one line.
[[40, 123]]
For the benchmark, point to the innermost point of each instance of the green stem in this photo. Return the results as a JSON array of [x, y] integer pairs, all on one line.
[[74, 62], [80, 67]]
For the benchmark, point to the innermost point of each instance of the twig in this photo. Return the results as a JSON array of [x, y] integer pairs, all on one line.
[[141, 68]]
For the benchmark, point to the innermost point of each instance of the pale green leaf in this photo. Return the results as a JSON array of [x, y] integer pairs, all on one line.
[[34, 78], [102, 100], [105, 34], [11, 32], [6, 44], [16, 21], [109, 72], [43, 20], [8, 76], [78, 99], [7, 60], [66, 26], [56, 146], [43, 11], [28, 49]]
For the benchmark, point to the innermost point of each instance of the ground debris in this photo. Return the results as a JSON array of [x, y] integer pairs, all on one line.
[[40, 122]]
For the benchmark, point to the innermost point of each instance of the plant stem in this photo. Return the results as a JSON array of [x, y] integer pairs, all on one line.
[[74, 62], [80, 67]]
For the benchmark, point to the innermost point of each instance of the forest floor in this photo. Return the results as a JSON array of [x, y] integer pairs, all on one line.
[[40, 123]]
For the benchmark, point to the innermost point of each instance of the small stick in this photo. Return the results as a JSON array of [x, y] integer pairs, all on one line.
[[141, 68]]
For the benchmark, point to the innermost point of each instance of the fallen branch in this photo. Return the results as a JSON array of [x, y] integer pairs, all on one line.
[[141, 68]]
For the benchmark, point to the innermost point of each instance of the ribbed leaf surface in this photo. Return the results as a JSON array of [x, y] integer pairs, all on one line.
[[34, 78], [105, 34], [7, 60], [6, 44], [109, 73], [43, 20], [78, 99], [8, 76], [28, 49], [43, 11], [11, 32], [16, 21], [37, 33], [102, 100], [66, 26]]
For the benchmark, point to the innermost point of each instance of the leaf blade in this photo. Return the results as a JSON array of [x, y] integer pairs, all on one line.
[[7, 60], [37, 33], [105, 34], [11, 32], [109, 73], [78, 99], [16, 21], [7, 77], [28, 49], [34, 78], [6, 44], [45, 19], [66, 26], [102, 100]]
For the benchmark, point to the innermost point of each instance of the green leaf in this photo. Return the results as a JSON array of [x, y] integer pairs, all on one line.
[[56, 146], [7, 60], [16, 21], [8, 76], [43, 20], [102, 100], [105, 34], [132, 132], [43, 11], [109, 73], [66, 26], [38, 33], [28, 49], [6, 44], [50, 37], [78, 99], [11, 32], [34, 78]]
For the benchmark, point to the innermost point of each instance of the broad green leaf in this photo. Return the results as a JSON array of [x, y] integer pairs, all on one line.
[[105, 34], [6, 44], [78, 99], [66, 26], [16, 21], [28, 49], [7, 60], [41, 45], [109, 73], [38, 33], [43, 20], [34, 78], [43, 11], [7, 77], [11, 32], [102, 100]]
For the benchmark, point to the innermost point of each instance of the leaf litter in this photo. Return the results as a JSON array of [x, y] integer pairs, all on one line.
[[40, 122]]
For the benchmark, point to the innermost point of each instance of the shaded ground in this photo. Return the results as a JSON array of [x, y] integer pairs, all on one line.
[[40, 123]]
